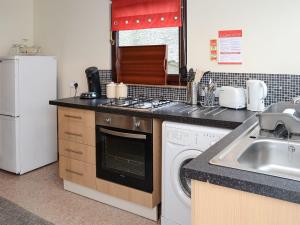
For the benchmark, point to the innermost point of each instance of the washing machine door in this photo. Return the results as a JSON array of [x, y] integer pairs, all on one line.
[[180, 184]]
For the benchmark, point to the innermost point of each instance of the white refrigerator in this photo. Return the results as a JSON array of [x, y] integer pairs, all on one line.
[[28, 126]]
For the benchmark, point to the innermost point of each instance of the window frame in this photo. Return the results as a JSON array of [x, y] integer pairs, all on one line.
[[172, 79]]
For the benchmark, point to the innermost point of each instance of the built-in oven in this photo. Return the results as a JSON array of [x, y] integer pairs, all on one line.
[[124, 152]]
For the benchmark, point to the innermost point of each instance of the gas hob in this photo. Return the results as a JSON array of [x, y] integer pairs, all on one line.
[[139, 104]]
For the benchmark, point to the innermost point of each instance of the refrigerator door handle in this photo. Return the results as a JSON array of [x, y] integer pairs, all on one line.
[[11, 116]]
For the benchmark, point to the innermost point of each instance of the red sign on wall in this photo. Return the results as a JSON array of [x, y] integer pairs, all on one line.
[[230, 47]]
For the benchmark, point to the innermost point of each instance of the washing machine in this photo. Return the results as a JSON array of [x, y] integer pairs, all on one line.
[[181, 144]]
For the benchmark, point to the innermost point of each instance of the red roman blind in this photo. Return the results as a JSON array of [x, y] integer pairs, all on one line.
[[144, 14]]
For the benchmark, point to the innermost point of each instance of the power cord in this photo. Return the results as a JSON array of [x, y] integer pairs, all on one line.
[[76, 88]]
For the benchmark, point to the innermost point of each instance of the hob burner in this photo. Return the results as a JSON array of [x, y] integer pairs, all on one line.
[[137, 103]]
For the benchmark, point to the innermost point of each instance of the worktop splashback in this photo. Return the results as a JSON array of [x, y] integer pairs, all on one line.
[[170, 93], [281, 87]]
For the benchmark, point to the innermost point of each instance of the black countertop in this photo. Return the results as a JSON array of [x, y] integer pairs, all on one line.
[[225, 118], [199, 168]]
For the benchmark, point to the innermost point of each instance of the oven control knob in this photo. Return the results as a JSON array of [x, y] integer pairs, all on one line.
[[137, 124], [108, 120]]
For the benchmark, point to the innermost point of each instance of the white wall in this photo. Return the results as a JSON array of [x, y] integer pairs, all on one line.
[[16, 23], [271, 42], [77, 32]]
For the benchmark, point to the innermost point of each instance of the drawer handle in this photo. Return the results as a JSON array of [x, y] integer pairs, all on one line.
[[73, 151], [73, 117], [73, 134], [74, 172]]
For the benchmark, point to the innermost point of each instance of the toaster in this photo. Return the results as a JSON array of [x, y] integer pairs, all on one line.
[[232, 97]]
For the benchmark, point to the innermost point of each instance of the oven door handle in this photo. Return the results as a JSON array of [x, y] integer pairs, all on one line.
[[122, 134]]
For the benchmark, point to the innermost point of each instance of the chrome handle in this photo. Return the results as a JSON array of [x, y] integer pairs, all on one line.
[[74, 172], [73, 151], [122, 134]]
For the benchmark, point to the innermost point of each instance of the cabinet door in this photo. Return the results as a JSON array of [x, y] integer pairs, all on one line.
[[77, 172], [217, 205], [8, 144], [73, 150], [76, 117], [77, 126]]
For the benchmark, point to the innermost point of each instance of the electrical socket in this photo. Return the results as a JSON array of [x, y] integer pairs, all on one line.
[[72, 84]]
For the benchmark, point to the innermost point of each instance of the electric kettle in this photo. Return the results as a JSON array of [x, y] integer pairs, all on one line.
[[256, 93]]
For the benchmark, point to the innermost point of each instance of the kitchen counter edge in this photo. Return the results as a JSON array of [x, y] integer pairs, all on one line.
[[270, 186], [93, 105]]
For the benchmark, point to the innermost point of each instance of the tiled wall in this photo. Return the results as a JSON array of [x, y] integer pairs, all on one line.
[[281, 87], [170, 93]]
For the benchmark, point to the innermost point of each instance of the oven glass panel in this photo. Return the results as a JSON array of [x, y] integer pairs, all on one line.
[[124, 155]]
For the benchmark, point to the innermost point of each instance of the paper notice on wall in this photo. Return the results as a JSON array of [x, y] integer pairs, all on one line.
[[230, 47]]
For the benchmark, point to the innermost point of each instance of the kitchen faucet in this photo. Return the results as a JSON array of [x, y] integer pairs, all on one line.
[[281, 131]]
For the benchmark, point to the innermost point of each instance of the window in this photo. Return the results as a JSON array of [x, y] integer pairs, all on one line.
[[155, 36], [174, 37]]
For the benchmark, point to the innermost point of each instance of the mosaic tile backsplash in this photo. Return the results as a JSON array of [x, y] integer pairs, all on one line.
[[281, 87], [170, 93]]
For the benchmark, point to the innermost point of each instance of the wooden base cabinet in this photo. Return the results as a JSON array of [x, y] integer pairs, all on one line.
[[77, 163], [77, 146], [217, 205]]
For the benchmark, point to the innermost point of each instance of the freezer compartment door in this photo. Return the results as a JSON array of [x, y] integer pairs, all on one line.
[[9, 149], [9, 87]]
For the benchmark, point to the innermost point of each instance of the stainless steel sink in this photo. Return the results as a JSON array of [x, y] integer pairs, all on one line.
[[252, 152]]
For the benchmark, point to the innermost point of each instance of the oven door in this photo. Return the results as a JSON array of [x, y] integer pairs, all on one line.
[[125, 157]]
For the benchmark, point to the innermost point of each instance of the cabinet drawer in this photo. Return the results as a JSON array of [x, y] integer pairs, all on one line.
[[77, 151], [77, 172], [76, 133], [79, 117]]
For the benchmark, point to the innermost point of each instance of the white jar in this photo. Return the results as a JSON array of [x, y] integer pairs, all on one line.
[[111, 90], [122, 90]]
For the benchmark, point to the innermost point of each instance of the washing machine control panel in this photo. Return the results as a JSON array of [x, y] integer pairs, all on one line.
[[199, 139], [207, 139], [181, 137]]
